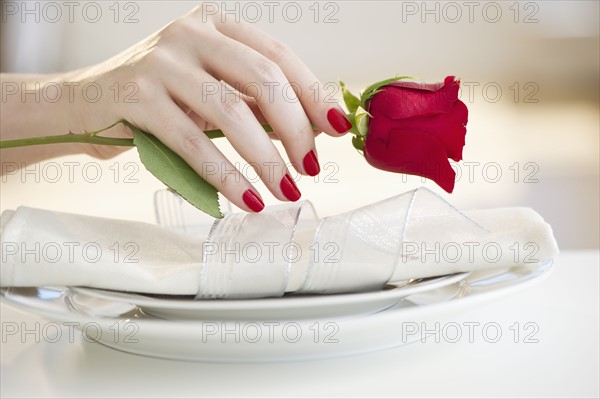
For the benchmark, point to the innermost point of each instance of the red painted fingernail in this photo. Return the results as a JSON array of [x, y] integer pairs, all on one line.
[[253, 201], [289, 189], [311, 164], [338, 120]]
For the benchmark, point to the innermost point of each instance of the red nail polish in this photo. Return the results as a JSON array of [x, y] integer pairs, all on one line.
[[253, 201], [338, 120], [311, 164], [289, 189]]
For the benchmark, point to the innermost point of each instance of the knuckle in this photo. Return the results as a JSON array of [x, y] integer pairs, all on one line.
[[167, 123], [192, 144], [279, 52], [182, 28], [267, 70], [233, 108]]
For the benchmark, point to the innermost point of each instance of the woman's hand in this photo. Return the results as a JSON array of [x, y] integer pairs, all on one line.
[[180, 77]]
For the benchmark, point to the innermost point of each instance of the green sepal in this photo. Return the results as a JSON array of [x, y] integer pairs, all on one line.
[[362, 121], [352, 119], [352, 102], [359, 143], [374, 89]]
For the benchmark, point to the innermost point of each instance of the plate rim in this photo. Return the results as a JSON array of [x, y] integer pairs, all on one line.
[[280, 303], [355, 338]]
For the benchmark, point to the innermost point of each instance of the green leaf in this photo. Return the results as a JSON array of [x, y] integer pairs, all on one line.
[[352, 102], [374, 88], [173, 171]]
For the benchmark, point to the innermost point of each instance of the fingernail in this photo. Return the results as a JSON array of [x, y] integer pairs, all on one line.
[[338, 120], [289, 189], [311, 164], [253, 201]]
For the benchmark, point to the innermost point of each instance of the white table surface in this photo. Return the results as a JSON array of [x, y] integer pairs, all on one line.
[[563, 363]]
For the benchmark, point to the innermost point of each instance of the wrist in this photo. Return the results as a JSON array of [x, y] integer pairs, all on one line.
[[35, 106]]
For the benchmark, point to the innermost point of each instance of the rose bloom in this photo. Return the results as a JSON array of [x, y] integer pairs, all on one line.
[[414, 128]]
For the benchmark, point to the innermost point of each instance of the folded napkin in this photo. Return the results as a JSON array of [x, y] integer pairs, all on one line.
[[283, 249]]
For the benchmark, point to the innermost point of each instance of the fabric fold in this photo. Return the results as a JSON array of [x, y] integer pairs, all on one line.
[[284, 249]]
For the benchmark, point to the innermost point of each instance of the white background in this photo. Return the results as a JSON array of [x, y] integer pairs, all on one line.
[[553, 141], [372, 40]]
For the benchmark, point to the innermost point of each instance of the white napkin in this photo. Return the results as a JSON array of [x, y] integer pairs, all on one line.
[[283, 249], [41, 247]]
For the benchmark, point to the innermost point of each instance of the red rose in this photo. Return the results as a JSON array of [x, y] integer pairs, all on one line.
[[414, 128]]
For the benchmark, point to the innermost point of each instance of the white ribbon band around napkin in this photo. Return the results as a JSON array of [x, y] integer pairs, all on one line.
[[283, 249]]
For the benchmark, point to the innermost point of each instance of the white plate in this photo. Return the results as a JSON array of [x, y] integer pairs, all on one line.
[[292, 307], [127, 328]]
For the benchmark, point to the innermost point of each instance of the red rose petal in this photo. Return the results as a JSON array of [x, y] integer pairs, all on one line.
[[414, 128], [402, 100], [411, 152], [449, 128]]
